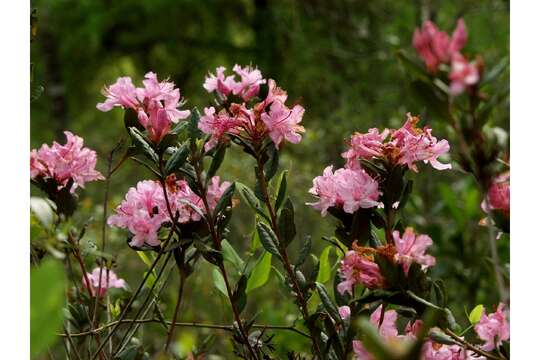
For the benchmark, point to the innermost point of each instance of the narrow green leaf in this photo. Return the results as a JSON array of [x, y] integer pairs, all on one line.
[[47, 286], [373, 341], [217, 160], [282, 190], [272, 164], [324, 266], [287, 228], [304, 251], [260, 273], [330, 307], [230, 255], [42, 210], [219, 283], [142, 144], [412, 66], [249, 197], [268, 239], [225, 199], [177, 159]]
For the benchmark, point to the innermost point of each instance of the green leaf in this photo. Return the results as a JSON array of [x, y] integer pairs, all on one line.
[[268, 239], [217, 160], [287, 228], [261, 272], [304, 251], [42, 210], [324, 265], [271, 166], [249, 197], [282, 190], [373, 341], [412, 66], [142, 145], [495, 71], [441, 338], [476, 314], [47, 286], [225, 199], [219, 283], [177, 159], [239, 295], [330, 307], [231, 255], [193, 127]]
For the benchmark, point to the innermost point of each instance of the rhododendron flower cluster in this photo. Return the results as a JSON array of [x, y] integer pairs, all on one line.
[[63, 163], [108, 280], [144, 209], [246, 88], [156, 103], [435, 47], [498, 196], [269, 117], [359, 268], [349, 189], [493, 329], [411, 248], [405, 146]]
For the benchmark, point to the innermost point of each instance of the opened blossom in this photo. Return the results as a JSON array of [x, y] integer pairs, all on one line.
[[64, 163], [282, 123], [498, 196], [435, 47], [246, 87], [464, 74], [365, 146], [413, 144], [345, 188], [156, 103], [493, 329], [100, 284], [411, 248], [356, 268], [144, 209]]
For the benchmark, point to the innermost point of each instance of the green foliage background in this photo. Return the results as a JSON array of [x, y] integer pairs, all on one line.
[[337, 58]]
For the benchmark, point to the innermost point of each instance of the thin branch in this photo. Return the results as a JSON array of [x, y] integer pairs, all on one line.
[[467, 345]]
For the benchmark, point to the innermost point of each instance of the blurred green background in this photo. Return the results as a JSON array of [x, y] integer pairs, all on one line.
[[337, 58]]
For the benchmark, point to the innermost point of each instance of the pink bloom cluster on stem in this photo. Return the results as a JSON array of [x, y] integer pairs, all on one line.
[[411, 248], [156, 103], [63, 163], [498, 196], [108, 280], [144, 209], [435, 47], [463, 74], [493, 329], [267, 118], [247, 87], [405, 146], [349, 189], [356, 268]]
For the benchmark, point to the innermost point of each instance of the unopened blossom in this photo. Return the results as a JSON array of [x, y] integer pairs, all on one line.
[[356, 269], [344, 312], [62, 163], [282, 123], [100, 284], [498, 196], [411, 248], [156, 103], [493, 329], [463, 74], [345, 188], [220, 83], [414, 144], [435, 47], [364, 146]]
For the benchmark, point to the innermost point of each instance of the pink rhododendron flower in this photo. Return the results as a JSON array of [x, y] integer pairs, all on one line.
[[156, 103], [493, 329], [414, 144], [498, 196], [63, 163], [411, 248], [464, 74], [355, 269], [435, 47], [282, 123], [108, 280], [344, 312], [435, 351], [364, 146], [144, 209], [248, 86], [217, 125], [346, 188]]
